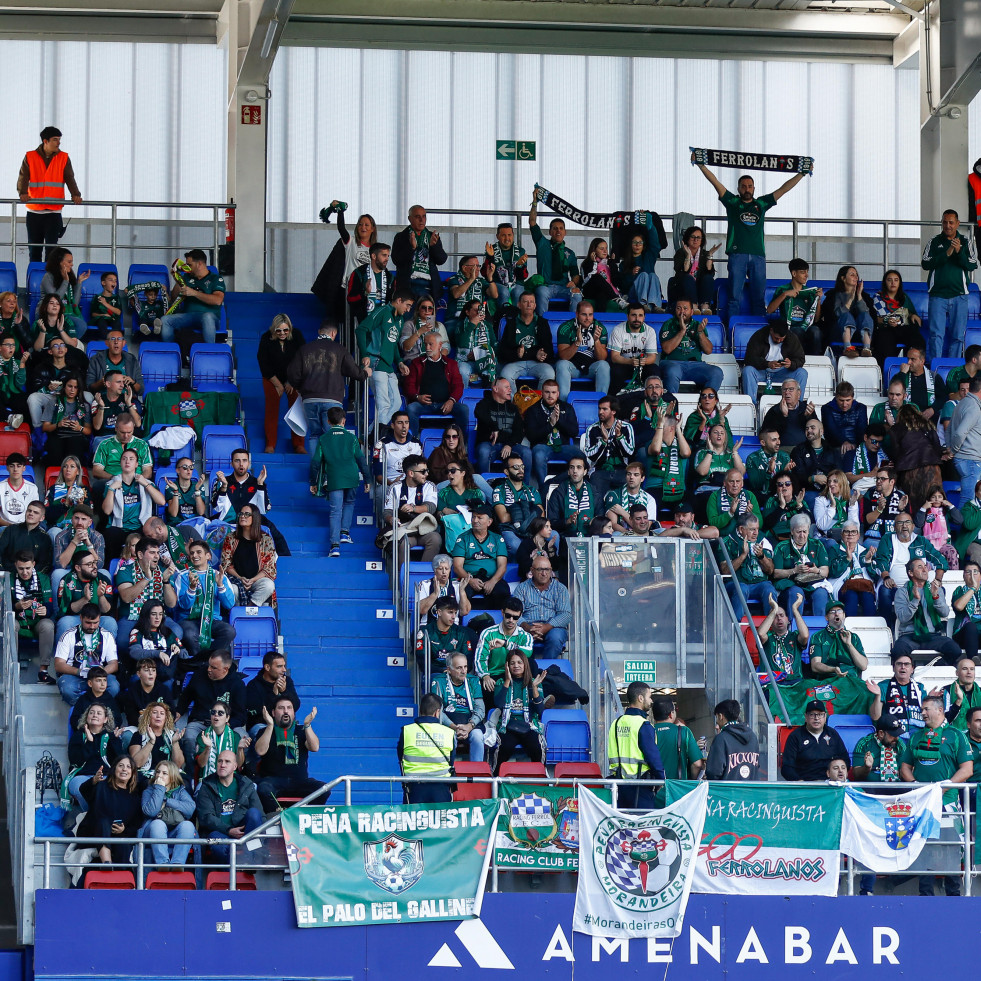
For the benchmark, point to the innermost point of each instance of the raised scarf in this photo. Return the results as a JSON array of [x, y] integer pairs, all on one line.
[[590, 219], [785, 163]]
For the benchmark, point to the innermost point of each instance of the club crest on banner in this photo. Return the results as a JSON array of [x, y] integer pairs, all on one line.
[[394, 864], [640, 862], [532, 820]]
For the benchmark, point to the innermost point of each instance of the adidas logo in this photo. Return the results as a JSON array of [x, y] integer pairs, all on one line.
[[479, 944]]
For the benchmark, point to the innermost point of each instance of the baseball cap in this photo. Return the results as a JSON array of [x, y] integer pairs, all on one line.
[[682, 508], [833, 604], [889, 725], [815, 705], [483, 509]]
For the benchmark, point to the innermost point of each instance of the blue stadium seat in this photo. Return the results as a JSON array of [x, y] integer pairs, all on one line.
[[212, 367], [148, 273], [35, 273], [93, 285], [917, 293], [716, 334], [943, 366], [750, 445], [972, 336], [564, 665], [186, 450], [567, 736], [743, 328], [256, 632], [8, 277], [891, 366], [161, 364], [851, 728], [218, 444], [429, 442], [586, 405], [92, 346]]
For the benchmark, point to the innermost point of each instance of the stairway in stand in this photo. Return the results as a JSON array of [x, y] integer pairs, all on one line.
[[336, 615]]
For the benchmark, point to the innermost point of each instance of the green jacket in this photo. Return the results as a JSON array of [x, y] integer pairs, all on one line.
[[919, 548], [12, 378], [970, 528], [785, 556], [758, 474], [721, 518], [379, 336], [336, 461], [949, 275]]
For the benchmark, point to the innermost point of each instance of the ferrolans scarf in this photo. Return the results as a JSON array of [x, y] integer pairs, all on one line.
[[904, 709], [888, 762], [785, 163], [613, 219], [218, 745], [725, 502], [177, 548], [505, 270]]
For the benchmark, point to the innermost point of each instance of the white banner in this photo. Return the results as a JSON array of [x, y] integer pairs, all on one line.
[[635, 870], [887, 834]]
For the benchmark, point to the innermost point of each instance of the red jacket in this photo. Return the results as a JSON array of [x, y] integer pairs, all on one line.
[[414, 378]]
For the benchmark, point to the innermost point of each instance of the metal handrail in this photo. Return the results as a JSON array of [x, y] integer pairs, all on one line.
[[114, 220], [756, 637]]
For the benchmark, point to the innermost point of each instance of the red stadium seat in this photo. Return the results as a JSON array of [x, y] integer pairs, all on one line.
[[109, 879], [577, 769], [171, 879], [18, 441], [464, 768], [219, 879], [522, 769]]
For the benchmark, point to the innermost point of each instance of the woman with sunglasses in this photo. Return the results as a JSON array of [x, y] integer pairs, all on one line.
[[788, 499], [453, 449], [276, 350], [248, 558], [694, 272], [423, 322], [68, 424], [214, 740], [706, 415], [185, 499], [62, 496]]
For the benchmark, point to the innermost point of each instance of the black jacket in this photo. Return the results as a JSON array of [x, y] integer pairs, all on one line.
[[202, 692], [17, 537], [507, 350], [809, 461], [274, 358], [319, 369], [759, 344], [259, 695], [209, 803], [500, 417], [790, 426], [735, 754], [538, 430], [105, 700], [402, 257], [806, 757], [134, 700]]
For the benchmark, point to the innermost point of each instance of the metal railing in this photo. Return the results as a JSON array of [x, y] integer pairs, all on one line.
[[959, 825], [116, 223]]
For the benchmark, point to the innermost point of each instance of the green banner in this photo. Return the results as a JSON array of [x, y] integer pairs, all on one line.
[[414, 863], [197, 409], [842, 696], [539, 828], [767, 839]]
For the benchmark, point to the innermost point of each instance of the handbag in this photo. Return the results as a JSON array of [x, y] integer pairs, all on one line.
[[526, 398], [170, 816], [857, 584]]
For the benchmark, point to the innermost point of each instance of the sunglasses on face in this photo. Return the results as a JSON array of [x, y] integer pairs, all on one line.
[[511, 616], [217, 712], [784, 483], [707, 395], [453, 470]]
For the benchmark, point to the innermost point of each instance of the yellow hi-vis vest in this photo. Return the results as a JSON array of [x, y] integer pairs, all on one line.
[[623, 747], [426, 749]]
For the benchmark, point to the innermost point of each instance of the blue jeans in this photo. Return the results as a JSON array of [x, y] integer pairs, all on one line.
[[551, 647], [541, 371], [488, 452], [388, 398], [753, 376], [541, 454], [206, 321], [316, 412], [459, 413], [75, 789], [556, 291], [741, 267], [819, 600], [565, 371], [970, 473], [646, 288], [702, 374], [476, 742], [759, 591], [862, 324], [253, 819], [71, 621], [858, 604], [948, 324], [155, 828], [72, 687], [341, 512]]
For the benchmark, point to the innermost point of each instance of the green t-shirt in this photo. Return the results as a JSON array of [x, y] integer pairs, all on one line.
[[666, 473], [937, 754], [110, 451], [954, 377], [131, 611], [568, 334], [480, 558], [975, 749], [784, 654], [449, 498], [212, 283], [826, 645], [100, 316], [798, 312], [750, 571], [688, 349], [131, 506], [721, 464], [745, 235], [762, 467], [229, 800], [869, 744], [679, 750], [786, 556]]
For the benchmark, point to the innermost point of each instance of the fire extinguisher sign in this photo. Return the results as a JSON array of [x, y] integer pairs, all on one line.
[[251, 115]]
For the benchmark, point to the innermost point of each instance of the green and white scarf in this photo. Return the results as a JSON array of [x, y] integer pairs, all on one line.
[[218, 745], [204, 606], [924, 622], [287, 739], [420, 257]]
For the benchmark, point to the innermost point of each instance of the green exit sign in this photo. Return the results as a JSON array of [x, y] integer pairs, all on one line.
[[639, 671], [516, 150]]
